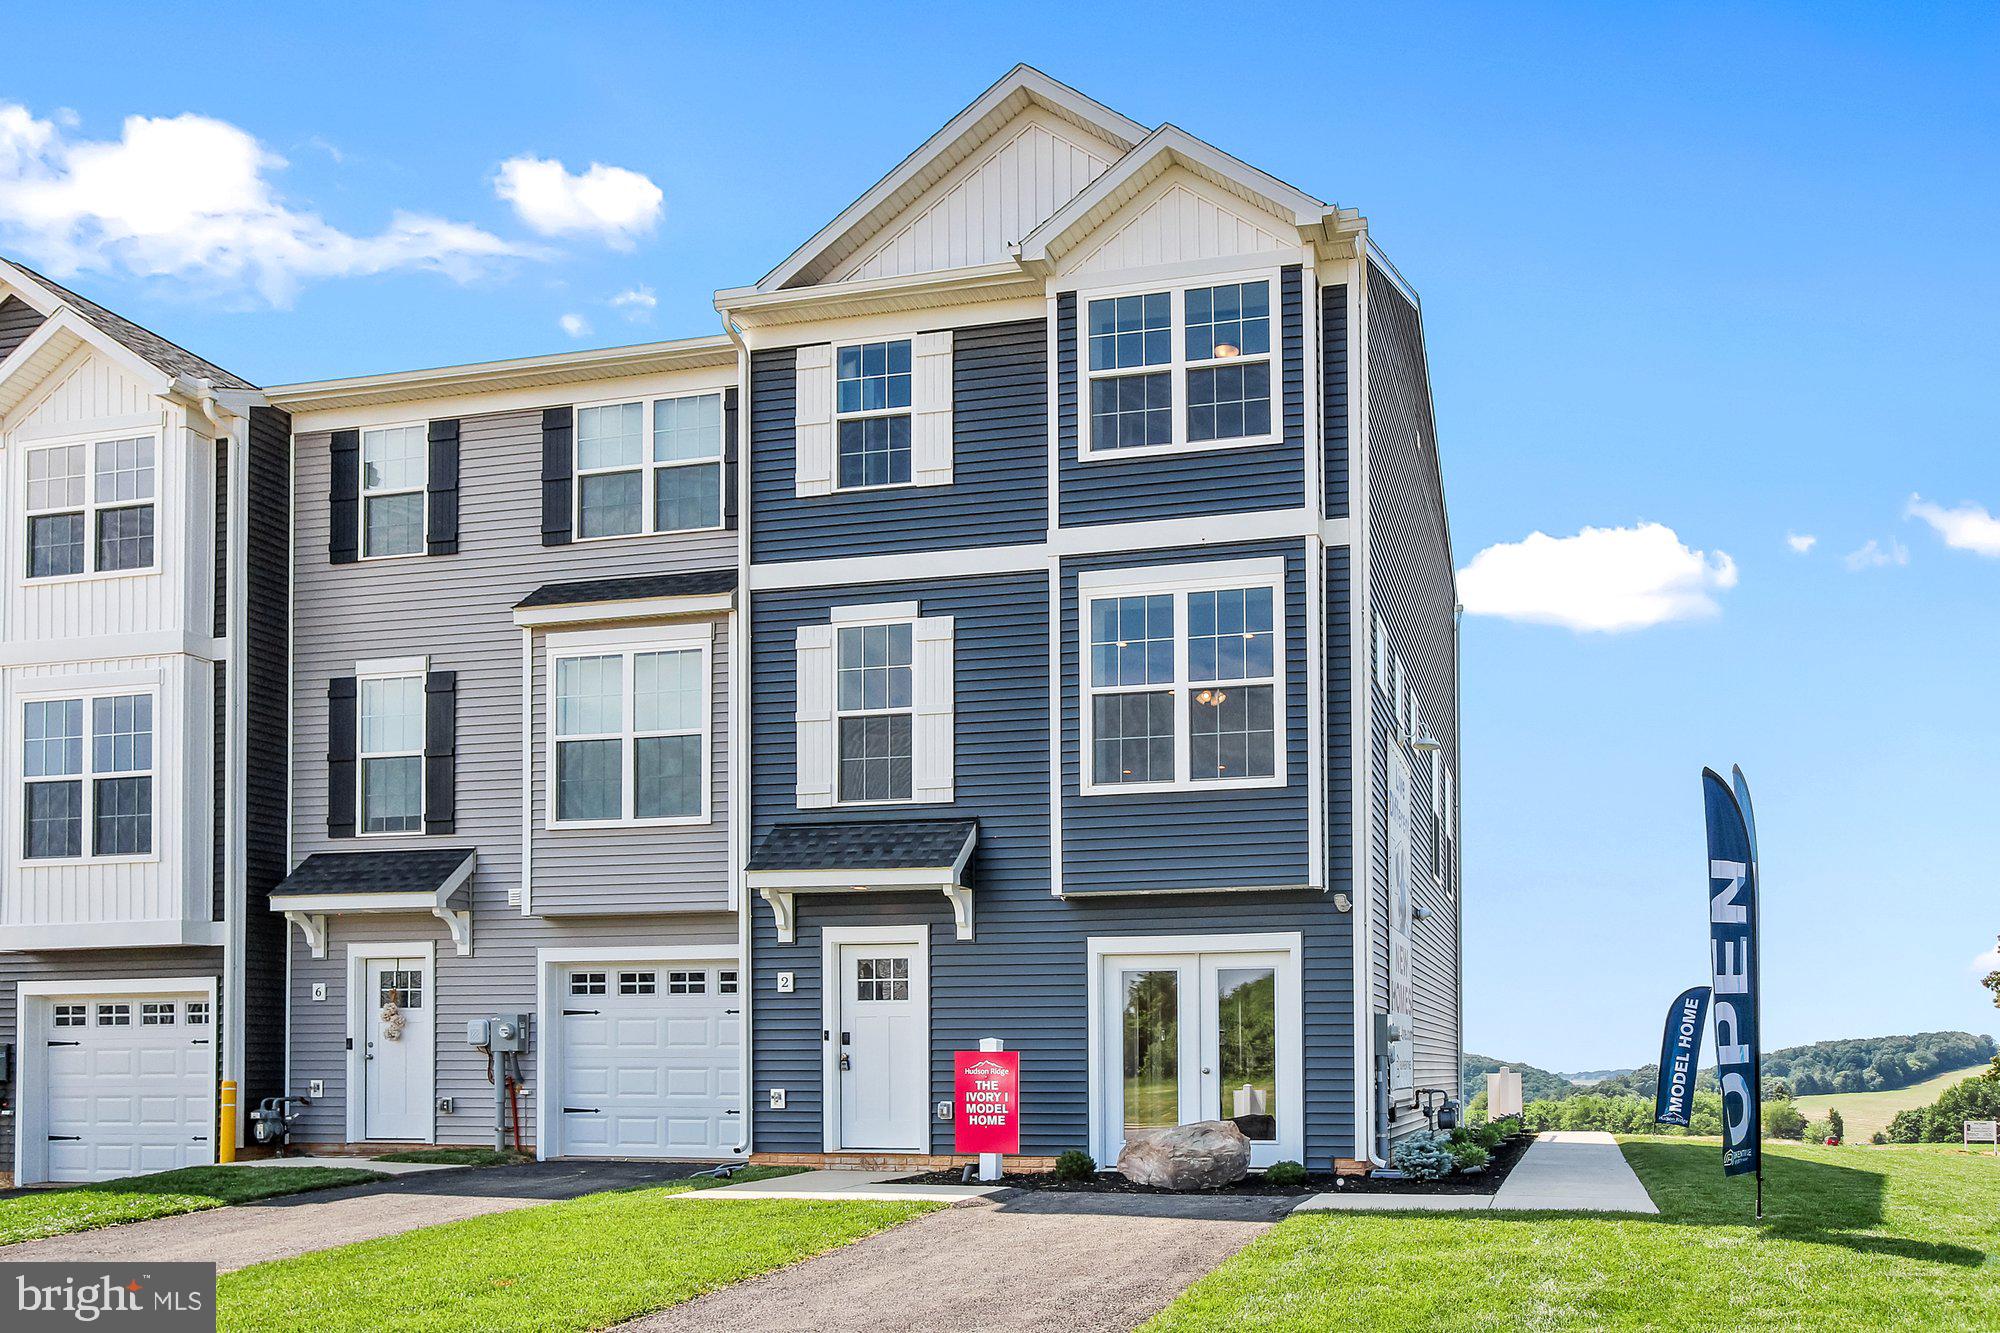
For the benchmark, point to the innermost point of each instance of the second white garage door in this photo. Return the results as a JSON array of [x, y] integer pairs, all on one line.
[[652, 1060]]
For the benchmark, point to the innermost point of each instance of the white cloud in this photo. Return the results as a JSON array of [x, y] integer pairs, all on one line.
[[611, 203], [1875, 555], [1801, 542], [574, 325], [192, 197], [1603, 579], [1968, 528], [638, 303], [1987, 962]]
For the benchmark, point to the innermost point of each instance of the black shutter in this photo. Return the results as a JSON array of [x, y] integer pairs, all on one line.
[[558, 474], [729, 458], [440, 751], [443, 523], [341, 723], [343, 539]]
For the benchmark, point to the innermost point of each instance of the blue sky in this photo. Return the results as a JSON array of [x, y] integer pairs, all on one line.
[[1729, 271]]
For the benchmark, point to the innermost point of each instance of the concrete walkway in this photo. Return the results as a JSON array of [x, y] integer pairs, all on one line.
[[1024, 1259], [1563, 1170], [253, 1233]]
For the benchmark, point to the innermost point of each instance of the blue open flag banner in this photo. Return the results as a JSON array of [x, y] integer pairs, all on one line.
[[1680, 1056], [1732, 935]]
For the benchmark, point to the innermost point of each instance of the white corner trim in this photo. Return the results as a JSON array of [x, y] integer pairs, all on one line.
[[393, 666]]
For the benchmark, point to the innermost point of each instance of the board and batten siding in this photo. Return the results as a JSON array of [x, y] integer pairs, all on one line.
[[999, 489], [458, 611], [1225, 480], [265, 642], [1413, 593], [1024, 977]]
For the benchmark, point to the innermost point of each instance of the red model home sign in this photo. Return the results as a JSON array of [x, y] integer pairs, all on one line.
[[986, 1091]]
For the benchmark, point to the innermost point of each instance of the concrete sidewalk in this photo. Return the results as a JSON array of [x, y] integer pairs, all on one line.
[[1564, 1170], [1023, 1259], [254, 1233]]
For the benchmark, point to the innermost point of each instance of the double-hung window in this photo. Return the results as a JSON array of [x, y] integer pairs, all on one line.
[[649, 466], [1179, 368], [395, 469], [90, 508], [1184, 684], [391, 753], [875, 710], [87, 764], [872, 414], [631, 736]]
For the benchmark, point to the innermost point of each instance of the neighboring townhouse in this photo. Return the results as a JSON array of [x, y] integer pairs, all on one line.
[[142, 734], [511, 752], [1092, 515]]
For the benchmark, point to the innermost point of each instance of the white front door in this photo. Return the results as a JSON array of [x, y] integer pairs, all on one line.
[[652, 1060], [884, 1048], [130, 1084], [1200, 1036], [396, 1057]]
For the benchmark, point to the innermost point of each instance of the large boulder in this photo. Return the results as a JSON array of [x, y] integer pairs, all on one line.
[[1203, 1156]]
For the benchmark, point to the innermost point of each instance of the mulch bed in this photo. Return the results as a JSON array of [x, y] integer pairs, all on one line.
[[1110, 1182]]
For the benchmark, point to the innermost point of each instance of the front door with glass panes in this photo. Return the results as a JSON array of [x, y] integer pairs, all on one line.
[[396, 1053], [1198, 1036]]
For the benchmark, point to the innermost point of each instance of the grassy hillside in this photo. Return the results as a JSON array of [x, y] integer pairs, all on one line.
[[1865, 1112]]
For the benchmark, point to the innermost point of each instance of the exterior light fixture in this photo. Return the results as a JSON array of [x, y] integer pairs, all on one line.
[[1426, 745]]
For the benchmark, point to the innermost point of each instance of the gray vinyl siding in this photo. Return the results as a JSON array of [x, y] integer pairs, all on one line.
[[1024, 977], [18, 320], [457, 610], [1413, 592], [999, 488], [1212, 481], [1333, 405], [91, 965], [1121, 842]]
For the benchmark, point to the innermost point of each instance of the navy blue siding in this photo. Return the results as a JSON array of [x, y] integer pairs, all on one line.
[[1339, 683], [1126, 841], [1000, 449], [1333, 380], [1216, 481], [1024, 977]]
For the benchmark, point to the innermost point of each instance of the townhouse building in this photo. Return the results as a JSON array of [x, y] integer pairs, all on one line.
[[1031, 616]]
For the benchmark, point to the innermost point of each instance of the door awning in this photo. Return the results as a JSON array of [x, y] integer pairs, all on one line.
[[864, 856], [435, 880]]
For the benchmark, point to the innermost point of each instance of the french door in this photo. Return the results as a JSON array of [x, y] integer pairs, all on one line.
[[1200, 1036]]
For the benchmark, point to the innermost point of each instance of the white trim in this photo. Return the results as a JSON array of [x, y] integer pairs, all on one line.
[[780, 888], [358, 956], [628, 645], [638, 608], [548, 1022], [309, 911], [415, 665], [969, 562], [154, 435], [523, 891], [648, 467], [363, 495], [30, 1046], [908, 411], [85, 691], [362, 679], [859, 613], [832, 938]]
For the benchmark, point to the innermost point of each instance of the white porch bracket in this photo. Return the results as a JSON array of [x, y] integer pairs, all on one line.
[[312, 925], [783, 908], [961, 908], [459, 923]]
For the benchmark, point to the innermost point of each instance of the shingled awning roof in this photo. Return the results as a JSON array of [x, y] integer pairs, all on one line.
[[702, 586], [862, 856], [428, 879]]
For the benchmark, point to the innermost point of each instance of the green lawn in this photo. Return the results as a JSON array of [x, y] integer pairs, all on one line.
[[55, 1212], [1855, 1239], [1862, 1113], [582, 1264]]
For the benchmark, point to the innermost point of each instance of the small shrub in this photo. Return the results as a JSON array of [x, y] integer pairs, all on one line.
[[1494, 1133], [1783, 1120], [1819, 1131], [1838, 1125], [1286, 1175], [1074, 1165], [1469, 1156], [1878, 1137], [1424, 1156]]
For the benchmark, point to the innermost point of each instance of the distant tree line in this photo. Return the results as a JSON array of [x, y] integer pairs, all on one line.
[[1943, 1121]]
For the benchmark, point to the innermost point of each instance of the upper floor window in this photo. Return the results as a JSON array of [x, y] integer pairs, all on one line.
[[631, 736], [391, 753], [635, 476], [876, 711], [90, 508], [100, 779], [1150, 389], [395, 469], [872, 414], [1183, 686]]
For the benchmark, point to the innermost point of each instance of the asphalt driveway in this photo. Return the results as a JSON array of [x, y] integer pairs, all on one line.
[[254, 1233], [1022, 1260]]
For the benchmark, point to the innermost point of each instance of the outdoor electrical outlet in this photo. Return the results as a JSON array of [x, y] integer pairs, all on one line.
[[785, 983], [944, 1110], [316, 1087], [777, 1099], [444, 1106], [319, 990]]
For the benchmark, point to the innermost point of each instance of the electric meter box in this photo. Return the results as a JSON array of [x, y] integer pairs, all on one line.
[[509, 1032]]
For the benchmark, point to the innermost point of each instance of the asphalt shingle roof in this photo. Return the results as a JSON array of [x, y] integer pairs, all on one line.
[[157, 351], [421, 871], [699, 583], [876, 844]]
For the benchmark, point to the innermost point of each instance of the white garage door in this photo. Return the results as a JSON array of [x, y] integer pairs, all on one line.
[[130, 1084], [652, 1059]]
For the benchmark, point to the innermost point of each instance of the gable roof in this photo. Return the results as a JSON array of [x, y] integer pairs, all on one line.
[[167, 357], [963, 135]]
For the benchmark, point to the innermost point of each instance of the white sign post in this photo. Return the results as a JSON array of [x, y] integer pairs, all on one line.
[[989, 1162]]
